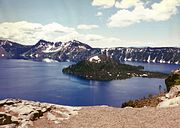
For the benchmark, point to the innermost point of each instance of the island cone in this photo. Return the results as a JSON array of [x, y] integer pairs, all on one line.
[[101, 67]]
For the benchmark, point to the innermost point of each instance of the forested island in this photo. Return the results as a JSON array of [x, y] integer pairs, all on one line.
[[101, 67]]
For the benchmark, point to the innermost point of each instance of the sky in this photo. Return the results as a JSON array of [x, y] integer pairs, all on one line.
[[99, 23]]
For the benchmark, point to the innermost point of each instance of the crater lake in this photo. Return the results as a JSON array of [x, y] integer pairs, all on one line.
[[45, 82]]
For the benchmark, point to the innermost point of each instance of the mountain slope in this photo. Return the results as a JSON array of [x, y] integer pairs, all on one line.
[[76, 51], [11, 49], [3, 53], [68, 51]]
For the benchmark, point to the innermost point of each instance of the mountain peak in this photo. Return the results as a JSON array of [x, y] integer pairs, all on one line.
[[43, 42]]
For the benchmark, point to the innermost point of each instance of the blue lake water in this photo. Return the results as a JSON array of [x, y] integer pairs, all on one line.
[[45, 82]]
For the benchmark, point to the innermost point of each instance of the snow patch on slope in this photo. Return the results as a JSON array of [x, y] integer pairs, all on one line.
[[52, 48], [95, 59], [47, 60]]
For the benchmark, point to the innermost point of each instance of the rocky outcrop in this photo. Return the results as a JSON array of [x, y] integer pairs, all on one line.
[[174, 92], [5, 118], [169, 103], [173, 79], [23, 114], [171, 99]]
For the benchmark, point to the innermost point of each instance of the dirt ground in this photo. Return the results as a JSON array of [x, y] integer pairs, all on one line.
[[107, 117]]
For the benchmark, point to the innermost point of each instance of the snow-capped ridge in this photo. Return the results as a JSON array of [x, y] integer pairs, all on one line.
[[52, 47], [76, 51]]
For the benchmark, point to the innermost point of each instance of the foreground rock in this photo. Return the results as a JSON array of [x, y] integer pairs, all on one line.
[[173, 79], [29, 114], [25, 114], [5, 118], [171, 99]]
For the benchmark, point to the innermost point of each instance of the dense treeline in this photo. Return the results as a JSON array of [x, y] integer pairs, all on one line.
[[108, 69]]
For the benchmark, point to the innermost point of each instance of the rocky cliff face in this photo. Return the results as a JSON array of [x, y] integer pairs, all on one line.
[[76, 51], [172, 98], [147, 54]]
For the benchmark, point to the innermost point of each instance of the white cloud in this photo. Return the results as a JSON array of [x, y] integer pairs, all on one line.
[[30, 33], [100, 41], [126, 3], [99, 14], [157, 12], [103, 3], [87, 26]]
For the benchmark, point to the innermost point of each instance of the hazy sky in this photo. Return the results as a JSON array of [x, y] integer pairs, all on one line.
[[99, 23]]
